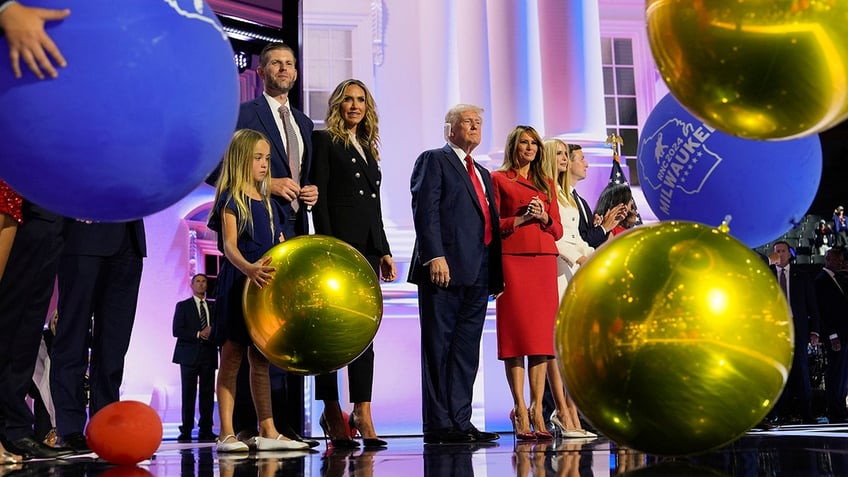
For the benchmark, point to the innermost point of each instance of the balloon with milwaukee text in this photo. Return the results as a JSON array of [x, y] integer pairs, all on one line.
[[691, 171]]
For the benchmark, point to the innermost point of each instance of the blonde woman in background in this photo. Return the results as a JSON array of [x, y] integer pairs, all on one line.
[[573, 252]]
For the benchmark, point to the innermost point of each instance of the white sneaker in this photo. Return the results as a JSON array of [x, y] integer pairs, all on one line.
[[280, 443], [230, 444]]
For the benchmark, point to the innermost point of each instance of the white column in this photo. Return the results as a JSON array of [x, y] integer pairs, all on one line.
[[572, 76]]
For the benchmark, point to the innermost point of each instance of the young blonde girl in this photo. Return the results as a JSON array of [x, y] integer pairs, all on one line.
[[248, 225]]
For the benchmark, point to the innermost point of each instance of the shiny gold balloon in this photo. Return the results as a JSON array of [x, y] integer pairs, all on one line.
[[674, 339], [321, 309], [759, 69]]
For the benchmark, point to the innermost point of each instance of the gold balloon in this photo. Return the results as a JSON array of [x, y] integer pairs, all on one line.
[[321, 309], [759, 69], [674, 339]]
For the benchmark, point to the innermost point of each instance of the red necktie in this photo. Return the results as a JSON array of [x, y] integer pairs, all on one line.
[[481, 196]]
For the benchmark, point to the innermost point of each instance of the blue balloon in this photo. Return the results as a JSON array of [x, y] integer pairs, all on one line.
[[140, 116], [691, 171]]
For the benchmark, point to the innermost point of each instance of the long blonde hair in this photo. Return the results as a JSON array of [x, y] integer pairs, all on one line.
[[537, 174], [562, 179], [237, 175], [367, 131]]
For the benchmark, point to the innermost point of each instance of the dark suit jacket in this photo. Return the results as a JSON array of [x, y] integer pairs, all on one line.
[[257, 115], [804, 304], [102, 239], [594, 235], [833, 307], [348, 204], [449, 220], [191, 350]]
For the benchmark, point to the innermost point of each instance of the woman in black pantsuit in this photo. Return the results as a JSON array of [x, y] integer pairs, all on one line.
[[345, 169]]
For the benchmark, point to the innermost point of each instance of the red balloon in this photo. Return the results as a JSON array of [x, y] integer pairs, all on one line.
[[125, 432]]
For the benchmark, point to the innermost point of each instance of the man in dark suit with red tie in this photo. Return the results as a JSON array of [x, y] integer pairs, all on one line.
[[456, 264], [198, 359], [798, 287]]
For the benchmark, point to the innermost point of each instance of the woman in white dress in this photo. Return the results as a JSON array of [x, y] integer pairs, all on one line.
[[573, 251]]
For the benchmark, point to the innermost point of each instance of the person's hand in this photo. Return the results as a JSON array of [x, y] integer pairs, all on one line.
[[308, 195], [286, 188], [388, 272], [773, 258], [204, 333], [582, 260], [440, 272], [259, 272], [24, 30], [536, 210], [281, 238], [613, 216]]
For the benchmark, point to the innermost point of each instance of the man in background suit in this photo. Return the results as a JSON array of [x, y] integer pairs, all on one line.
[[833, 306], [797, 395], [290, 134], [456, 264], [99, 276], [594, 230], [198, 359]]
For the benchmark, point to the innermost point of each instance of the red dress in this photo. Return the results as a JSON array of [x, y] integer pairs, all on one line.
[[526, 310], [10, 202]]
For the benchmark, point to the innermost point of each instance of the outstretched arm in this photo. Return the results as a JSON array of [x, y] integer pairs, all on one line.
[[24, 30]]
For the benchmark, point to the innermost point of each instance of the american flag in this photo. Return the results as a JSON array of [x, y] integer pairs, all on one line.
[[616, 174]]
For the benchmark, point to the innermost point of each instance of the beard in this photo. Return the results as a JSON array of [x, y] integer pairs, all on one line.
[[279, 86]]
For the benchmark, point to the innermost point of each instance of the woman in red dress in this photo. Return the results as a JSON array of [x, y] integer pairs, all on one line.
[[10, 217], [530, 226]]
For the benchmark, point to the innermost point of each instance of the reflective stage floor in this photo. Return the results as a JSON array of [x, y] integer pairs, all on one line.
[[820, 450]]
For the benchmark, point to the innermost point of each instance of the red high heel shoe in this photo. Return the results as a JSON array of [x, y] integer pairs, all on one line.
[[520, 436], [542, 435]]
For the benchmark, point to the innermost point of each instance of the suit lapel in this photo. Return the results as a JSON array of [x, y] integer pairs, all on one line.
[[266, 117], [451, 159]]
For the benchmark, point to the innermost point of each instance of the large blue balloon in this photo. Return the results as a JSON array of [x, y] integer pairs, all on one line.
[[690, 171], [141, 115]]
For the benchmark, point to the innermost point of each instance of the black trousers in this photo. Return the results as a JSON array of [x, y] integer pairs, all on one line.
[[25, 292], [360, 372], [204, 374]]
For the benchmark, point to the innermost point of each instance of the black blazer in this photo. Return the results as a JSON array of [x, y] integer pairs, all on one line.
[[348, 204], [804, 304], [190, 350], [257, 115], [449, 220]]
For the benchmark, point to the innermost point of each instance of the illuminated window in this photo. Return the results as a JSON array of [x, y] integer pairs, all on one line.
[[620, 92], [329, 53]]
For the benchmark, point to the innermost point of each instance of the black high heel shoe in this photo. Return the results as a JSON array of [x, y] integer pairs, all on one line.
[[367, 442], [345, 443]]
